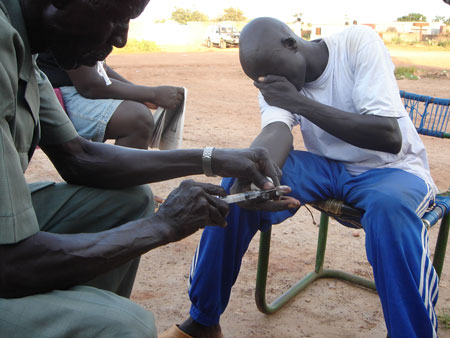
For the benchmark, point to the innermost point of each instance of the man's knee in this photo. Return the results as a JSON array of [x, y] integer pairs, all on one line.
[[137, 201], [134, 321], [126, 205], [140, 118], [390, 216], [79, 312], [117, 316]]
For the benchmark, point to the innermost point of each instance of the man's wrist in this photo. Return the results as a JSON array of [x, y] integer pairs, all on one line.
[[207, 161]]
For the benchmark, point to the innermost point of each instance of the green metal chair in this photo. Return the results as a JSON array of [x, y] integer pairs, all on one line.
[[430, 116]]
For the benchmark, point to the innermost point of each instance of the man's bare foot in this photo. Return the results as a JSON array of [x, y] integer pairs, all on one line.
[[196, 330]]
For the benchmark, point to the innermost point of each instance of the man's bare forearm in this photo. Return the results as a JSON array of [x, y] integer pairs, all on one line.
[[361, 130], [112, 74], [108, 166], [120, 90], [364, 131], [277, 139], [65, 260]]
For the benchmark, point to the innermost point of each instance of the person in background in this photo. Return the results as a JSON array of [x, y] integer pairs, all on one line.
[[103, 105]]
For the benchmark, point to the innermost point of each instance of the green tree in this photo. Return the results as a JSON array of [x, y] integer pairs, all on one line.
[[183, 15], [438, 18], [413, 17], [198, 16], [232, 14]]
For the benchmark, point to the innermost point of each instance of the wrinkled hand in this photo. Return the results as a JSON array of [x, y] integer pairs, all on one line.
[[192, 206], [284, 203], [166, 97], [252, 164], [279, 92]]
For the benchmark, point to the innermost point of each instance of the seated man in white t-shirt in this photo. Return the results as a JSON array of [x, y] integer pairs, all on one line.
[[362, 148]]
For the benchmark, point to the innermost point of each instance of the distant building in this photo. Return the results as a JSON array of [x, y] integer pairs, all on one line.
[[406, 31]]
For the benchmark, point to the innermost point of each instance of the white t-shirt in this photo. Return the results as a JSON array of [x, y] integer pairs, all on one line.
[[359, 78]]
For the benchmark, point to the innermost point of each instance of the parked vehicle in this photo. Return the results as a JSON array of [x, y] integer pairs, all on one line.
[[222, 35]]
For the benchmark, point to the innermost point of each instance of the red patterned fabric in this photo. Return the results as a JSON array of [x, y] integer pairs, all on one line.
[[60, 98]]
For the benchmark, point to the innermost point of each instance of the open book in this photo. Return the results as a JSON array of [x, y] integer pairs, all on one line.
[[169, 124]]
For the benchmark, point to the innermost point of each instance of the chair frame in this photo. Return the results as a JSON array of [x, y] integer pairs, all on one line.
[[321, 272], [422, 109]]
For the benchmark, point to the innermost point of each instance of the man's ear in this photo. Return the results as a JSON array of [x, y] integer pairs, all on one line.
[[290, 43], [60, 4]]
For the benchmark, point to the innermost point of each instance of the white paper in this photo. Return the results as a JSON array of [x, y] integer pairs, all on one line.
[[169, 125]]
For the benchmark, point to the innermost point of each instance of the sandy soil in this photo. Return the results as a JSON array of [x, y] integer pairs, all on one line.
[[223, 112]]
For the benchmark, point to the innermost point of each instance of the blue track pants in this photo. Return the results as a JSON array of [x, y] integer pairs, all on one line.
[[396, 241]]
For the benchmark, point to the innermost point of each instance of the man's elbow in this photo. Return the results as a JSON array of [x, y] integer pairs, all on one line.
[[395, 143], [393, 137]]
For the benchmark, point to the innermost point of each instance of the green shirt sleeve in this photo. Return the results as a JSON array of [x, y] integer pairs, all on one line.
[[56, 127], [17, 217]]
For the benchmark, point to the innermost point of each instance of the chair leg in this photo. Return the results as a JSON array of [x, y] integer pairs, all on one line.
[[319, 272], [441, 245]]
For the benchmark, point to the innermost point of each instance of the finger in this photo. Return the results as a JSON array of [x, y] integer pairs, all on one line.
[[276, 180], [259, 179], [151, 105], [216, 218], [158, 199], [269, 168], [285, 189], [211, 189], [258, 85], [268, 79], [272, 170], [218, 210], [284, 203]]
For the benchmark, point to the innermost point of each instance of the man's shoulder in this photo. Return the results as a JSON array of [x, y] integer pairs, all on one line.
[[353, 39], [360, 34]]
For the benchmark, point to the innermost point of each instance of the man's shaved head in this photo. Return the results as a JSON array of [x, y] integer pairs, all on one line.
[[268, 46]]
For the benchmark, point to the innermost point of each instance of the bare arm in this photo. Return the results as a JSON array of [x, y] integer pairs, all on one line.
[[70, 259], [91, 85], [364, 131], [108, 166], [48, 261], [112, 74], [277, 139]]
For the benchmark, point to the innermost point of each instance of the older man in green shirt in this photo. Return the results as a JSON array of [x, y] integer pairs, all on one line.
[[68, 252]]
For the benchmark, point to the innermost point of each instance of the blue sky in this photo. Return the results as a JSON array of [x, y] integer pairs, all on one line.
[[315, 11]]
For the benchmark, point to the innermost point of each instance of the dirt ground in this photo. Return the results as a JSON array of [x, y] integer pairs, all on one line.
[[223, 112]]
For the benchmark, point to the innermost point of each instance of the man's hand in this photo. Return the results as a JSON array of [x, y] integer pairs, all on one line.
[[166, 97], [252, 164], [284, 203], [279, 92], [192, 206]]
